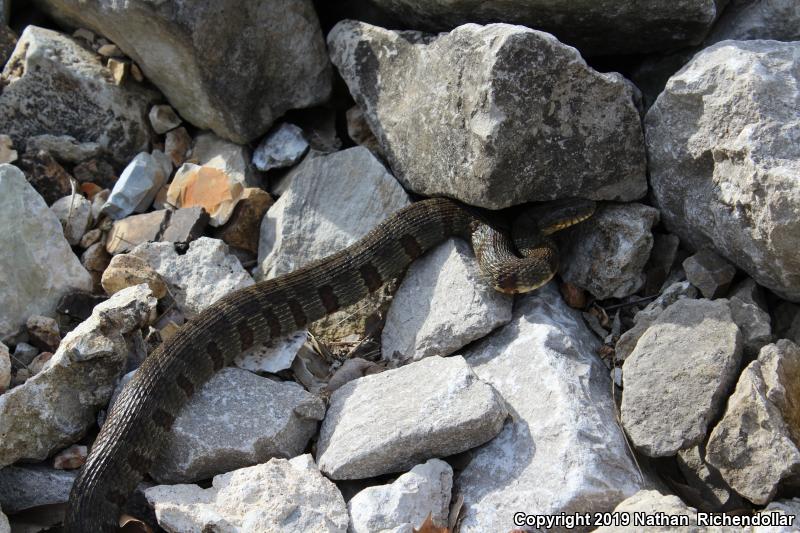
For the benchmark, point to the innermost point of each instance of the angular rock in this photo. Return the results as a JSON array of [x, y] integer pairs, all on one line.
[[681, 370], [710, 273], [207, 187], [272, 419], [450, 411], [198, 278], [332, 201], [649, 503], [185, 225], [7, 152], [275, 497], [126, 270], [547, 458], [707, 480], [75, 214], [233, 159], [607, 254], [43, 332], [55, 86], [176, 145], [8, 41], [278, 61], [282, 147], [442, 304], [38, 266], [423, 491], [722, 160], [75, 307], [129, 232], [163, 118], [138, 184], [748, 311], [745, 20], [755, 445], [57, 406], [27, 486], [273, 356], [64, 147], [5, 368], [44, 173], [242, 230], [458, 113], [96, 259], [97, 171]]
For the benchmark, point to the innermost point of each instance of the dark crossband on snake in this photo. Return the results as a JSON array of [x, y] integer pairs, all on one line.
[[515, 261]]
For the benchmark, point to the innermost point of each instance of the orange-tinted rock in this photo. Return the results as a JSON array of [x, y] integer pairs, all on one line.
[[207, 187], [242, 230], [133, 230]]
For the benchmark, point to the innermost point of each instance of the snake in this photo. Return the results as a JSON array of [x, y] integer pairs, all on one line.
[[514, 260]]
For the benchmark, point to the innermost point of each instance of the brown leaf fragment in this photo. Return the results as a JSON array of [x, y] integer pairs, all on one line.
[[429, 527], [130, 524]]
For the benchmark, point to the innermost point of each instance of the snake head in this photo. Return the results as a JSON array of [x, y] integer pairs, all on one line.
[[550, 217]]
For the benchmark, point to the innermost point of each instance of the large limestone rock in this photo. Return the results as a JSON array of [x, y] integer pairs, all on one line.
[[724, 159], [37, 265], [230, 66], [53, 85], [562, 450], [493, 115]]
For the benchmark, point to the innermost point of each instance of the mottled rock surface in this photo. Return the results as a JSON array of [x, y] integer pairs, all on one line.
[[27, 486], [127, 270], [282, 147], [209, 187], [745, 20], [706, 479], [709, 272]]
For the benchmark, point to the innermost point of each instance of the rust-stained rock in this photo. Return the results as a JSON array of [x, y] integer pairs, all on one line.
[[208, 187]]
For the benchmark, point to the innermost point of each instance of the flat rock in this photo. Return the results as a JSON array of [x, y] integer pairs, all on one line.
[[28, 486], [162, 117], [65, 148], [75, 214], [442, 304], [547, 459], [407, 502], [231, 158], [278, 61], [134, 230], [284, 146], [272, 356], [606, 255], [138, 184], [709, 272], [745, 20], [40, 266], [57, 406], [722, 160], [374, 426], [755, 444], [52, 85], [681, 370], [280, 496], [186, 225], [748, 308], [242, 230], [208, 187], [237, 419], [456, 114]]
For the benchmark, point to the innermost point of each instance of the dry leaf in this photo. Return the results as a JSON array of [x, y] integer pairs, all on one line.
[[429, 527], [130, 524]]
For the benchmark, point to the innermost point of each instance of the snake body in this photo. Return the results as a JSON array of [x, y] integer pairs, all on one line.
[[142, 417]]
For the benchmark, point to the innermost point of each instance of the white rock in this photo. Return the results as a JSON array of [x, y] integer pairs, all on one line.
[[233, 159], [198, 278], [138, 184], [442, 304], [787, 508], [391, 421], [649, 503], [562, 449], [5, 368], [75, 214], [331, 202], [273, 356], [163, 118], [407, 502], [282, 147], [280, 496], [37, 266]]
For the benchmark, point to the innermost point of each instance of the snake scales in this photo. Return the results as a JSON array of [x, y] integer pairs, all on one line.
[[143, 415]]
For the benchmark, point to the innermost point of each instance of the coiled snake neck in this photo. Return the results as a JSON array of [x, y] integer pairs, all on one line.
[[141, 418]]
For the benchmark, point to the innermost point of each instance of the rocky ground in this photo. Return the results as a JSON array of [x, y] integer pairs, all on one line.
[[156, 156]]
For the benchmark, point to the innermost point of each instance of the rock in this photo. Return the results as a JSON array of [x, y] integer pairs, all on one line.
[[29, 486], [458, 113], [375, 427], [111, 50], [25, 353], [651, 504], [96, 171], [119, 70], [275, 497], [75, 214], [273, 356], [42, 266], [755, 444], [185, 225], [43, 332], [272, 419], [745, 20], [39, 362], [206, 187], [748, 311], [787, 321], [242, 230], [319, 128], [662, 258], [233, 159], [547, 459], [787, 508], [138, 184], [423, 491], [126, 270], [8, 41], [96, 259], [7, 152], [332, 201], [696, 344], [129, 232], [358, 129], [283, 147], [55, 86], [198, 278], [607, 254], [65, 148], [163, 118], [352, 368], [4, 525], [459, 306], [278, 62], [92, 237], [722, 162], [177, 144], [58, 405], [706, 480], [71, 458], [5, 368], [709, 272], [44, 173]]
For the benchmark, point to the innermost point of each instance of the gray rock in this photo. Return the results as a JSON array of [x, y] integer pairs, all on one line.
[[282, 147], [277, 60], [458, 113], [185, 225], [407, 502], [5, 368], [648, 504], [280, 496], [748, 309], [27, 486], [198, 278], [442, 304], [64, 147], [38, 266], [163, 118], [681, 370], [722, 158], [273, 356], [237, 419], [755, 445], [75, 214], [788, 508], [547, 459], [25, 353], [706, 479], [138, 185], [332, 201], [744, 20], [710, 273], [234, 160], [659, 266], [358, 129], [56, 407], [374, 426], [52, 85], [607, 254]]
